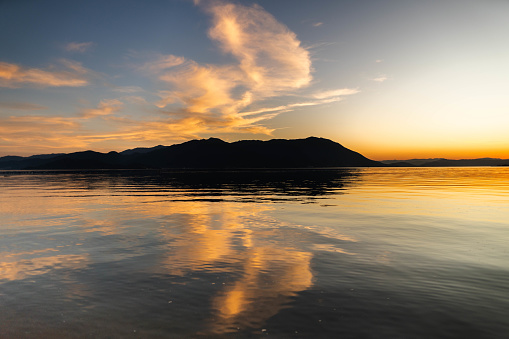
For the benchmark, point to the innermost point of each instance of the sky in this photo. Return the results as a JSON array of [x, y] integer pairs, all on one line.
[[390, 79]]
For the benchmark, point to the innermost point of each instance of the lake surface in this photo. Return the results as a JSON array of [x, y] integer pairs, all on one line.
[[349, 253]]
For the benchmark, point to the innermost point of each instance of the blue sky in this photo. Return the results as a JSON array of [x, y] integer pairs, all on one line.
[[390, 79]]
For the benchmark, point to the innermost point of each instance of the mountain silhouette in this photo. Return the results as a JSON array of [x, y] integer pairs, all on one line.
[[467, 162], [441, 162], [210, 153]]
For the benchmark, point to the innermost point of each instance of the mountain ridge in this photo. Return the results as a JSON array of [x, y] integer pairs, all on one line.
[[442, 162], [212, 153]]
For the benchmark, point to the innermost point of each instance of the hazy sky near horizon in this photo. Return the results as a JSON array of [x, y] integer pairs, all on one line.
[[391, 79]]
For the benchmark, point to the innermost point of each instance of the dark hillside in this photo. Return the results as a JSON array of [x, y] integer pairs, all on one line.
[[210, 153]]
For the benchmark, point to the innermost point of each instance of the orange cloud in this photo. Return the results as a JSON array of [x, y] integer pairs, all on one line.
[[106, 107], [56, 132], [269, 61], [268, 52], [73, 75], [38, 132]]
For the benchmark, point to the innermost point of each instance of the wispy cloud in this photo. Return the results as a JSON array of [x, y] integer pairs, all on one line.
[[335, 93], [73, 74], [38, 132], [317, 24], [380, 78], [79, 47], [134, 99], [25, 106], [290, 107], [105, 107], [128, 89], [163, 62], [54, 132]]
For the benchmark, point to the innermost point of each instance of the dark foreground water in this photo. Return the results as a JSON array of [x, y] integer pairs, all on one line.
[[345, 253]]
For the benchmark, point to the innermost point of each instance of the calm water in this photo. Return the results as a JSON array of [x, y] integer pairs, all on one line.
[[364, 253]]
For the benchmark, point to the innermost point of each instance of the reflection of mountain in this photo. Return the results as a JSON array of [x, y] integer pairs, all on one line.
[[210, 153], [245, 185]]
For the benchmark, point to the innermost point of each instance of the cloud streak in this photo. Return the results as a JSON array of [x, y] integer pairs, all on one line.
[[24, 106], [43, 131], [335, 93], [380, 78], [73, 74], [79, 47], [105, 107]]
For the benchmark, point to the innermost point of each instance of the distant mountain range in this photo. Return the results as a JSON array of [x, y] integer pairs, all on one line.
[[215, 153], [210, 153], [440, 162]]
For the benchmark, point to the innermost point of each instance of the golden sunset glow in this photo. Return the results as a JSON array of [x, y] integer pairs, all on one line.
[[390, 87]]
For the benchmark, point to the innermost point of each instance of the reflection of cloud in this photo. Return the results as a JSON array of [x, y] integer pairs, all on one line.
[[265, 263], [73, 75], [252, 299], [330, 248], [207, 234], [219, 238], [78, 46], [21, 269]]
